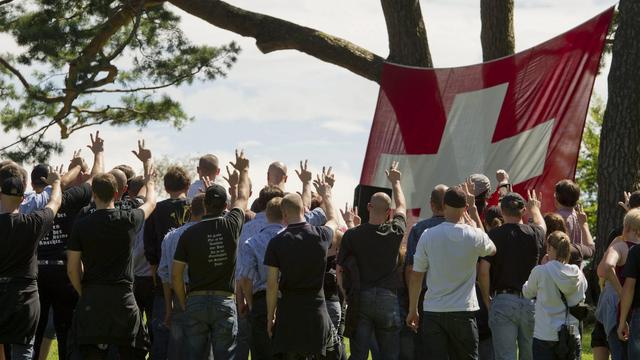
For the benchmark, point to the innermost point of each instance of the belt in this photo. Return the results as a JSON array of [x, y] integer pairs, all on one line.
[[51, 262], [509, 292], [211, 292]]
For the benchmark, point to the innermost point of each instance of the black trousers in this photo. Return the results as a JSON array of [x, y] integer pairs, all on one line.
[[450, 335], [93, 352], [56, 293], [143, 291], [260, 341]]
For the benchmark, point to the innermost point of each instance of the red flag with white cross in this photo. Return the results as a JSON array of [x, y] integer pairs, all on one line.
[[523, 113]]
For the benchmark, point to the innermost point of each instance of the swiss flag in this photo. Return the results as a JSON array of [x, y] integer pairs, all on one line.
[[523, 113]]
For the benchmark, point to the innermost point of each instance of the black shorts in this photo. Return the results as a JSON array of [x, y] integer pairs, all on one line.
[[599, 336]]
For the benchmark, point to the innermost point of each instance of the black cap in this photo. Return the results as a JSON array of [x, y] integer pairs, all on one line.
[[215, 194], [12, 186], [512, 201], [39, 171], [456, 198]]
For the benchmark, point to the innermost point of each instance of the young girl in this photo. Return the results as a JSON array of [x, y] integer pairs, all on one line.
[[545, 283]]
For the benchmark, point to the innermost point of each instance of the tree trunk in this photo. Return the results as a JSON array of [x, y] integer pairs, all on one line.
[[408, 44], [619, 159], [497, 35]]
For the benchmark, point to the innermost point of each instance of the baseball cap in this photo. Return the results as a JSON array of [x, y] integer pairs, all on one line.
[[454, 197], [482, 183], [513, 201], [12, 186], [215, 194], [39, 171]]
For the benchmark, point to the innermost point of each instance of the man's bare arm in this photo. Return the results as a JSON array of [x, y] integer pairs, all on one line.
[[244, 184], [394, 175], [177, 279], [272, 297], [74, 269]]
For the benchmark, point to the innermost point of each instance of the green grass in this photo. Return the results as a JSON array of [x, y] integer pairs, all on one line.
[[586, 347]]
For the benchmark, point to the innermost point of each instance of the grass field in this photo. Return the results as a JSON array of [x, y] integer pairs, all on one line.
[[586, 348]]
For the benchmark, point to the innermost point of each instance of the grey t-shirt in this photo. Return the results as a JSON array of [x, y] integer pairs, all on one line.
[[448, 253]]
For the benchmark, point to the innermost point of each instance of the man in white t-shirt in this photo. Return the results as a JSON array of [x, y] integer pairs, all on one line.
[[448, 253], [208, 166]]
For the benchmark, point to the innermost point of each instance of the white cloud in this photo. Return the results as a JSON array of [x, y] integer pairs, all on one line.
[[290, 106]]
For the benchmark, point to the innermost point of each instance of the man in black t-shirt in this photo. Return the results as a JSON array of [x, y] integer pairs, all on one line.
[[518, 247], [54, 287], [209, 249], [99, 264], [169, 214], [296, 260], [19, 237], [375, 247]]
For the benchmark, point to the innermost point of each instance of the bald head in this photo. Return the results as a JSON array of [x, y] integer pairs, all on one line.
[[437, 199], [209, 165], [380, 203], [121, 179], [292, 208], [277, 174]]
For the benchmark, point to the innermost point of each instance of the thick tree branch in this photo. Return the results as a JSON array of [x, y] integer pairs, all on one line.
[[497, 35], [408, 44], [274, 34]]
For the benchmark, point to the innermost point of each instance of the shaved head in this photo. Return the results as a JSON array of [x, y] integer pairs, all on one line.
[[380, 203], [277, 174], [121, 179], [437, 197], [292, 206]]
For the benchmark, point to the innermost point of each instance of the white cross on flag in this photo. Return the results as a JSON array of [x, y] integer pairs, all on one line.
[[523, 113]]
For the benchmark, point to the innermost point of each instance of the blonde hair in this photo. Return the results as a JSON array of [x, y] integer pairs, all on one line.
[[632, 221], [561, 243]]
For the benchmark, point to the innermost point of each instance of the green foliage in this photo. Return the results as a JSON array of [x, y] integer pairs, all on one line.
[[89, 62], [587, 169]]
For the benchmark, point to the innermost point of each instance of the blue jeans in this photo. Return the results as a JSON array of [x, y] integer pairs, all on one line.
[[211, 318], [545, 350], [511, 321], [617, 348], [633, 345], [161, 333], [450, 335], [178, 333], [379, 316]]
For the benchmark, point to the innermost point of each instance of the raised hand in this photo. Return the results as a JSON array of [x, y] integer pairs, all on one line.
[[143, 153], [242, 162], [582, 215], [206, 181], [328, 176], [233, 178], [625, 205], [76, 160], [502, 177], [54, 176], [469, 189], [348, 214], [304, 174], [97, 143], [535, 200], [322, 187], [393, 174]]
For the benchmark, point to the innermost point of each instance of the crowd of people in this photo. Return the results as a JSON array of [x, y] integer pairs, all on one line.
[[93, 259]]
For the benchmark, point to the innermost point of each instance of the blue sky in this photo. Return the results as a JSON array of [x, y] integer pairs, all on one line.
[[289, 106]]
